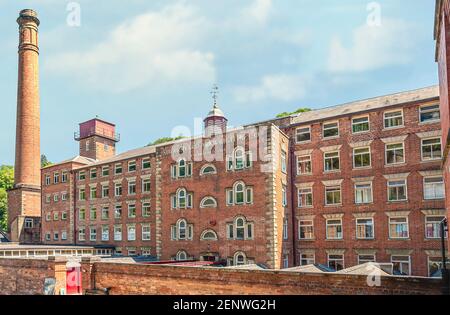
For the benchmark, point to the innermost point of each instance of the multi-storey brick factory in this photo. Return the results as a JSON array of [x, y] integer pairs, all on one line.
[[338, 186]]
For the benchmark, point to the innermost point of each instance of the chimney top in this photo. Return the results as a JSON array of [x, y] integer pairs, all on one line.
[[28, 14]]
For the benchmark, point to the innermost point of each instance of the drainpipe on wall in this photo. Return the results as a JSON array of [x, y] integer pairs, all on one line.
[[74, 207], [445, 272], [293, 189]]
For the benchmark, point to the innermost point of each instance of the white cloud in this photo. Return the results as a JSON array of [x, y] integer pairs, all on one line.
[[373, 47], [154, 48], [258, 11], [282, 87]]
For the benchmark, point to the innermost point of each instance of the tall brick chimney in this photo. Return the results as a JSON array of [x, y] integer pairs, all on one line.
[[24, 199]]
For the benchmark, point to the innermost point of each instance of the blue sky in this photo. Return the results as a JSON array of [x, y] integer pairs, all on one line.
[[149, 66]]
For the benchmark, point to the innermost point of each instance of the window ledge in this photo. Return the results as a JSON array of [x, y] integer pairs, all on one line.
[[393, 128], [399, 239], [395, 165], [422, 123], [431, 161], [331, 172], [362, 168]]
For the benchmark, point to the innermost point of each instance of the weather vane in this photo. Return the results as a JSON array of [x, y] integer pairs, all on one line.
[[215, 93]]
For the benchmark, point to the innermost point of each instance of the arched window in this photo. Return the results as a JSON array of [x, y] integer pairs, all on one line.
[[182, 168], [239, 259], [239, 158], [208, 202], [209, 235], [240, 229], [182, 199], [182, 229], [239, 193], [182, 255], [181, 196], [208, 170]]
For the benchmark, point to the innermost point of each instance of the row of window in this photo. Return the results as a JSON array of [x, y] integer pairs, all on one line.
[[239, 194], [118, 189], [365, 228], [397, 191], [58, 177], [56, 197], [239, 229], [431, 150], [401, 263], [105, 212], [117, 233], [391, 119], [239, 258], [117, 169], [239, 160]]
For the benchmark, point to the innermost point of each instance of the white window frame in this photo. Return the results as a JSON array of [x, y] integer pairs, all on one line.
[[300, 225], [434, 185], [354, 158], [335, 225], [359, 224], [146, 235], [302, 130], [304, 161], [386, 153], [422, 146], [421, 111], [325, 158], [340, 193], [399, 261], [394, 111], [407, 225], [356, 192], [353, 124], [301, 193], [331, 123], [406, 189]]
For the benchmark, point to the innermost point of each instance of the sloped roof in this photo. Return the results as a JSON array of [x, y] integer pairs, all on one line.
[[3, 238], [76, 159], [316, 268], [248, 267], [369, 268], [427, 93]]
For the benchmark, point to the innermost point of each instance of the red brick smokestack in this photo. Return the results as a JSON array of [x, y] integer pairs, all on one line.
[[28, 163], [24, 200]]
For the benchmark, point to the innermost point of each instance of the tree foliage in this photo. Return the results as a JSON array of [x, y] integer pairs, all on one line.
[[165, 140], [44, 161], [6, 182], [298, 111]]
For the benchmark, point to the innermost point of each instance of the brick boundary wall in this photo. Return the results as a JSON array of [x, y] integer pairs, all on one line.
[[174, 280], [26, 276]]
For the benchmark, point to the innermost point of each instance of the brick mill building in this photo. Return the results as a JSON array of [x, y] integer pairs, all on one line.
[[349, 184], [338, 186]]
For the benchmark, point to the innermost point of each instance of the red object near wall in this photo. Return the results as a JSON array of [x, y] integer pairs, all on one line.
[[73, 281]]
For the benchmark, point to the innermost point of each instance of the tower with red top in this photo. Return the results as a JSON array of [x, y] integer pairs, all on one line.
[[97, 139], [215, 122]]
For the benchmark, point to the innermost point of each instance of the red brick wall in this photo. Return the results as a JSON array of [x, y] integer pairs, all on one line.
[[111, 202], [380, 205], [26, 276], [169, 280], [443, 57], [60, 206]]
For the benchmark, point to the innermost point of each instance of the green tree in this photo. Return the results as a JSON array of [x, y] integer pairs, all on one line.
[[6, 182], [44, 161], [298, 111], [165, 140]]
